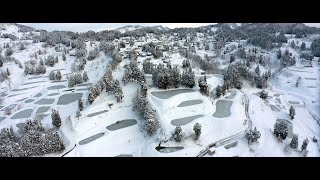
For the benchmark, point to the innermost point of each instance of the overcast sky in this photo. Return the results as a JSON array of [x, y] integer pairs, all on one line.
[[84, 27]]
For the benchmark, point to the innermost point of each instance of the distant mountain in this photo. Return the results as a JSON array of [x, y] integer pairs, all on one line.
[[160, 28], [128, 28], [230, 25], [135, 27]]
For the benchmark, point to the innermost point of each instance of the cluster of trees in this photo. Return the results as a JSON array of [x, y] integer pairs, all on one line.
[[204, 89], [132, 72], [133, 55], [251, 57], [107, 47], [238, 72], [178, 135], [281, 130], [80, 105], [253, 135], [147, 66], [9, 51], [78, 64], [55, 76], [188, 78], [151, 47], [80, 53], [292, 112], [122, 44], [166, 77], [51, 60], [197, 130], [286, 59], [263, 95], [34, 141], [306, 56], [110, 50], [56, 120], [263, 40], [116, 59], [93, 54], [295, 143], [4, 75], [232, 77], [204, 64], [144, 110], [106, 82], [74, 79], [10, 36], [315, 47], [185, 63], [31, 67]]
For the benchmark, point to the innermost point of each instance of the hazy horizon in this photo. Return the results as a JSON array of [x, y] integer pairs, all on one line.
[[84, 27]]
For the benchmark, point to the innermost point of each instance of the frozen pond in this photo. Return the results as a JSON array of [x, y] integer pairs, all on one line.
[[300, 71], [11, 106], [279, 101], [58, 81], [56, 87], [58, 70], [21, 99], [311, 87], [168, 149], [290, 132], [29, 100], [274, 108], [276, 95], [269, 97], [232, 95], [223, 109], [24, 88], [91, 138], [82, 89], [38, 95], [36, 77], [33, 82], [231, 145], [124, 155], [69, 89], [15, 95], [2, 118], [45, 101], [53, 94], [310, 78], [190, 103], [69, 98], [122, 124], [22, 114], [170, 93], [96, 113], [85, 84], [43, 109], [184, 120], [293, 102]]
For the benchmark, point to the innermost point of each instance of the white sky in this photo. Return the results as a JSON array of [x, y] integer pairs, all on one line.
[[84, 27]]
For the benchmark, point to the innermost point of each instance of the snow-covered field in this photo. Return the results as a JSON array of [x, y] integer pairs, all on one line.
[[91, 133]]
